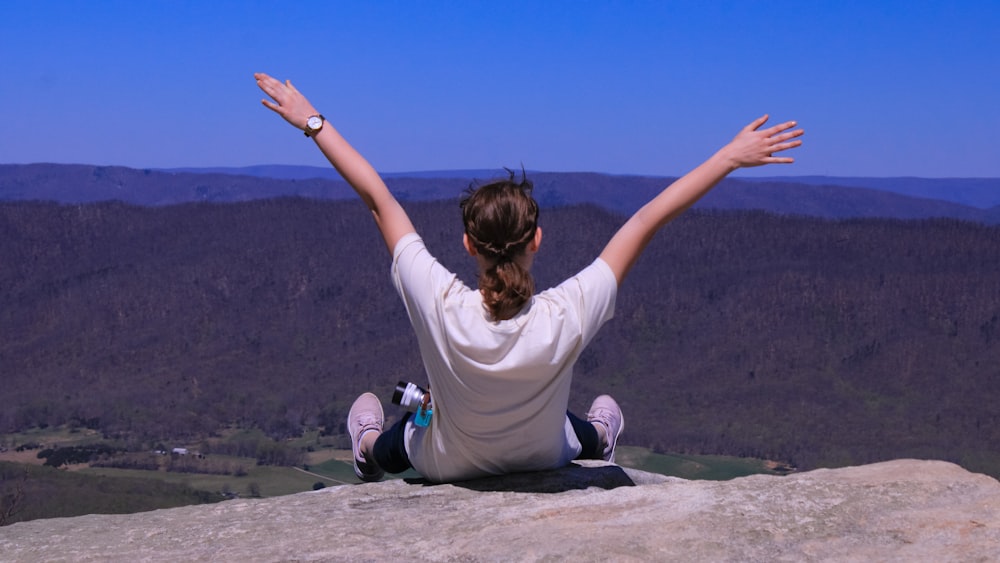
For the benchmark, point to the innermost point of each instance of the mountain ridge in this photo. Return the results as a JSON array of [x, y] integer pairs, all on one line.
[[620, 193]]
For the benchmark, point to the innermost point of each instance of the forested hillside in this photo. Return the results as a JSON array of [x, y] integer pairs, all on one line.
[[815, 342]]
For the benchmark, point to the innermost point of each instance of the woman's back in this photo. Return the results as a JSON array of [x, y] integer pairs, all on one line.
[[500, 388]]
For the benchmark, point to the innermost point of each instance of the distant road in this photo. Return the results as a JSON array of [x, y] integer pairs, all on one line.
[[324, 477]]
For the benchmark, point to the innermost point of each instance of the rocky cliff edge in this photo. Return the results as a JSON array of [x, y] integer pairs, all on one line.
[[904, 510]]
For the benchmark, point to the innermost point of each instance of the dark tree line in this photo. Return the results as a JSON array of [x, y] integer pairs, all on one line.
[[815, 342]]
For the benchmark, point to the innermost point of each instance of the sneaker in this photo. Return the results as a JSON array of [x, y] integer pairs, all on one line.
[[365, 416], [606, 412]]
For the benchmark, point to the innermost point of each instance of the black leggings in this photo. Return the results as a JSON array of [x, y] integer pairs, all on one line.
[[390, 448]]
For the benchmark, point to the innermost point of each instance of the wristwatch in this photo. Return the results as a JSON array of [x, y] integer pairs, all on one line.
[[313, 125]]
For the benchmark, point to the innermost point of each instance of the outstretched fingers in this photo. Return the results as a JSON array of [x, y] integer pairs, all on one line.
[[269, 86], [756, 123], [278, 92], [778, 147], [776, 129], [271, 105], [778, 138], [778, 160], [266, 83], [285, 100], [755, 146], [781, 142], [775, 132]]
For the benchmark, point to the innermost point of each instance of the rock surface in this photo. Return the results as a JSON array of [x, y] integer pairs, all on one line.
[[903, 510]]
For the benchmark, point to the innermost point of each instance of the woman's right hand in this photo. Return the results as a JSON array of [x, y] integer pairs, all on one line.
[[288, 102]]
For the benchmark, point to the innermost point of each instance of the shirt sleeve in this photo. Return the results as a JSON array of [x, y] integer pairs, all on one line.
[[592, 292], [419, 278]]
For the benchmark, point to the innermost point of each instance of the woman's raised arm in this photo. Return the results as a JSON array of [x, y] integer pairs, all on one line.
[[751, 147], [289, 103]]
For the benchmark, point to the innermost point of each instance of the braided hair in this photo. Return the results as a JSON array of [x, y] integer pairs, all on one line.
[[500, 220]]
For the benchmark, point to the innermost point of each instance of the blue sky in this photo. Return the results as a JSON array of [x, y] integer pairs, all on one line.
[[883, 88]]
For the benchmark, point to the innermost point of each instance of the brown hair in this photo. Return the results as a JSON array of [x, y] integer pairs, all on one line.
[[500, 220]]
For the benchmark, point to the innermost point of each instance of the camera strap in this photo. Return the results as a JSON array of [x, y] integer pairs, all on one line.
[[424, 412]]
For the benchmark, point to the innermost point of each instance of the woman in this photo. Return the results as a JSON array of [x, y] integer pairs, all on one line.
[[500, 358]]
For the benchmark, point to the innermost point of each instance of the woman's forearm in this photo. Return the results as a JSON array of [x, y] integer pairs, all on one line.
[[625, 247], [353, 167], [390, 217], [684, 192], [751, 147], [294, 108]]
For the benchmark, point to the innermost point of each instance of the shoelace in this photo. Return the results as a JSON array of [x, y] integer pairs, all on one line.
[[369, 422], [603, 416]]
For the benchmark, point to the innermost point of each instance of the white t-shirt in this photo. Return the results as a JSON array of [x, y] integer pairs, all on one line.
[[500, 388]]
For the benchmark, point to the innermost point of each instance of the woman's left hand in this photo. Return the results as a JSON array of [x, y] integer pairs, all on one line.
[[288, 102], [754, 146]]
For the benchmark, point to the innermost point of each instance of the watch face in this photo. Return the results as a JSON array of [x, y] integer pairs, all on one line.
[[314, 123]]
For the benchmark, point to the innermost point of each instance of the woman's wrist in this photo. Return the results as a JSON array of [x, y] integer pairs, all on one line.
[[314, 124], [727, 157]]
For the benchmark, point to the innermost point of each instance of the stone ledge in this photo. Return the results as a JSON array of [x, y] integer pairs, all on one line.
[[904, 510]]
